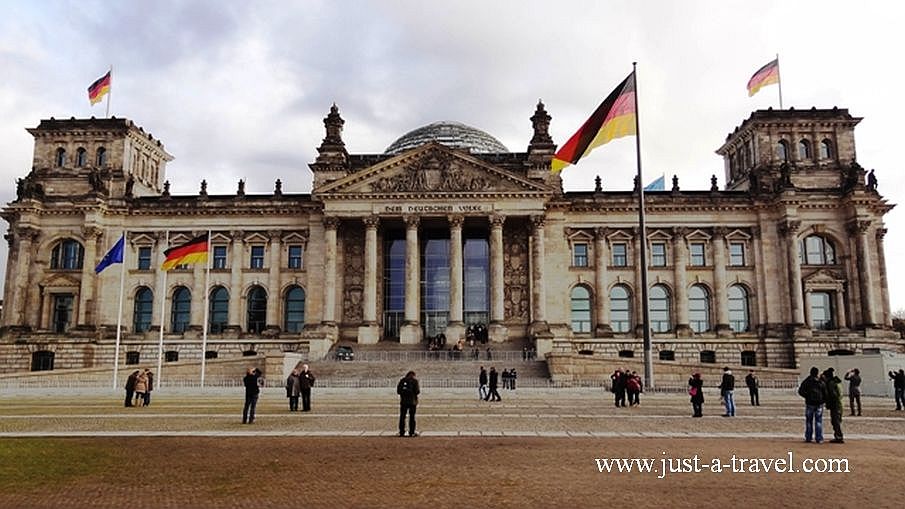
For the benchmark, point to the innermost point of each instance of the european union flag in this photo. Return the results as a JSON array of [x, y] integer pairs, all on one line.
[[114, 255]]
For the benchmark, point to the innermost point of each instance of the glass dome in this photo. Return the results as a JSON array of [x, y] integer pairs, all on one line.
[[451, 134]]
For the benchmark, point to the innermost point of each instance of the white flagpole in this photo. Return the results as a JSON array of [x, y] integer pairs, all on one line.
[[779, 80], [110, 92], [207, 276], [119, 312], [163, 308]]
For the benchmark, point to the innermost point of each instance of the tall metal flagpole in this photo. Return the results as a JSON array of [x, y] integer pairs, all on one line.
[[779, 80], [645, 312], [119, 313], [207, 276], [110, 92], [163, 308]]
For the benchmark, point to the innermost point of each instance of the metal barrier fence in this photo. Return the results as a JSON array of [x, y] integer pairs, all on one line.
[[437, 355]]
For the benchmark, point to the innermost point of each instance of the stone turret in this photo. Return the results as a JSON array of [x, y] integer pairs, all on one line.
[[333, 160]]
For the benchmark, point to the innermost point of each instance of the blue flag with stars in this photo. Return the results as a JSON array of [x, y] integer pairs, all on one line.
[[114, 255]]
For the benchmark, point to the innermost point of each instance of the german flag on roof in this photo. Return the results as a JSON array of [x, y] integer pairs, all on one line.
[[99, 88], [766, 75], [614, 118], [193, 251]]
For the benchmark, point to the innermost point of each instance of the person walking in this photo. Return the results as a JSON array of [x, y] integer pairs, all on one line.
[[293, 390], [493, 395], [483, 391], [834, 403], [813, 390], [696, 391], [252, 390], [141, 387], [306, 379], [898, 384], [753, 383], [727, 386], [854, 389], [130, 387], [408, 391], [150, 376]]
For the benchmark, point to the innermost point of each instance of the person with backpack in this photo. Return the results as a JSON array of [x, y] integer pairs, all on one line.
[[813, 390], [834, 403], [408, 391]]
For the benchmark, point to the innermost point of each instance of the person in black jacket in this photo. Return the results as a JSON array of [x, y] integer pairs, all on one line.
[[813, 390], [618, 380], [408, 391], [252, 390], [483, 392], [130, 387], [306, 380], [493, 395], [854, 389], [898, 383], [727, 386], [696, 391], [753, 384]]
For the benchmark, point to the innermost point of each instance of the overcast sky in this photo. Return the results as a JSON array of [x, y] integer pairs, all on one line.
[[239, 89]]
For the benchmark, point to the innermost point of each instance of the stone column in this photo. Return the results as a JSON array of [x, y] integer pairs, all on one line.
[[757, 250], [410, 332], [455, 330], [637, 310], [789, 229], [497, 330], [196, 320], [865, 274], [330, 226], [273, 321], [86, 288], [884, 284], [680, 264], [602, 301], [841, 322], [235, 282], [369, 332], [720, 293], [14, 312]]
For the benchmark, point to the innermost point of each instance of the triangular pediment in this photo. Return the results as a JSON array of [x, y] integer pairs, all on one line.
[[61, 280], [432, 169]]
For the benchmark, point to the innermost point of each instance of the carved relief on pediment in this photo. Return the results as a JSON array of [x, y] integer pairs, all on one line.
[[437, 172]]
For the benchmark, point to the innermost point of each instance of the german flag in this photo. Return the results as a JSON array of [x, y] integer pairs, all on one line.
[[766, 75], [99, 88], [614, 118], [193, 251]]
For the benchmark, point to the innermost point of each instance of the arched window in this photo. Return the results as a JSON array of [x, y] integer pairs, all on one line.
[[67, 255], [804, 150], [826, 149], [80, 157], [581, 309], [620, 309], [61, 157], [294, 315], [101, 159], [699, 309], [182, 309], [218, 315], [738, 309], [257, 309], [144, 307], [817, 250], [660, 307], [782, 150]]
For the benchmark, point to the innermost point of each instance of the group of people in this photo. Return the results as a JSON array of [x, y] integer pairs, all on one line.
[[488, 383], [138, 388], [821, 390], [299, 383], [727, 392], [626, 383]]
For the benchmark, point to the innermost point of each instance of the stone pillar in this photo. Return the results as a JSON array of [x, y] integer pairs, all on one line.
[[865, 274], [602, 301], [680, 264], [841, 322], [235, 282], [273, 321], [86, 288], [14, 306], [410, 332], [884, 283], [196, 319], [637, 310], [720, 293], [760, 273], [330, 226], [789, 229], [455, 330], [369, 332], [497, 330]]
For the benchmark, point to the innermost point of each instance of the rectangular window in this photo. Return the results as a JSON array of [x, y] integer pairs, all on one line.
[[620, 254], [697, 254], [171, 356], [580, 255], [133, 357], [219, 257], [295, 257], [737, 254], [257, 257], [144, 258], [658, 254]]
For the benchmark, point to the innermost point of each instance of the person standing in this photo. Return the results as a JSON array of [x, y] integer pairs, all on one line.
[[752, 382], [306, 379], [293, 390], [834, 403], [696, 391], [141, 387], [493, 395], [483, 392], [854, 389], [617, 380], [898, 384], [408, 391], [813, 390], [252, 390], [150, 376], [505, 376], [512, 378], [727, 386], [633, 388], [130, 387]]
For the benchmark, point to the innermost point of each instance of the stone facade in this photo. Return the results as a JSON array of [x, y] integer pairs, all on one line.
[[786, 262]]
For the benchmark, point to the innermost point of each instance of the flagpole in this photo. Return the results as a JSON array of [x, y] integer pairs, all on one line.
[[110, 92], [645, 312], [779, 80], [207, 276], [119, 312], [163, 308]]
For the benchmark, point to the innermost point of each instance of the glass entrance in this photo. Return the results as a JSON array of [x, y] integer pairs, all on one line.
[[62, 312], [393, 285], [476, 268], [435, 286]]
